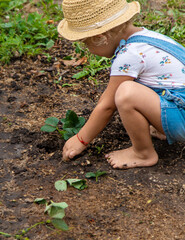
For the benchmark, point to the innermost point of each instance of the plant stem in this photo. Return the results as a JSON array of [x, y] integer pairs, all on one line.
[[23, 232], [5, 234]]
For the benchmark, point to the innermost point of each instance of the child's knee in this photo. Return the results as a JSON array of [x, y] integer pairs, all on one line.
[[124, 96]]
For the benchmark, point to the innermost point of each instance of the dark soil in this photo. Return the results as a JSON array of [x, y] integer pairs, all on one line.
[[142, 203]]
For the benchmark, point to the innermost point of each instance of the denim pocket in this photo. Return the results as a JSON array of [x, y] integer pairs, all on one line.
[[177, 96]]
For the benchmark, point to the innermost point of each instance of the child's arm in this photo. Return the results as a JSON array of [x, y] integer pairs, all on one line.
[[97, 120]]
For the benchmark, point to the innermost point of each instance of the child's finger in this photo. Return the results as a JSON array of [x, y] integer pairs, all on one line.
[[72, 154]]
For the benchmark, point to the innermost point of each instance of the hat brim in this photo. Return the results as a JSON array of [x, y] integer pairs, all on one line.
[[70, 34]]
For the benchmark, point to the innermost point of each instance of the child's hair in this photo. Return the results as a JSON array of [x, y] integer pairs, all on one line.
[[100, 40]]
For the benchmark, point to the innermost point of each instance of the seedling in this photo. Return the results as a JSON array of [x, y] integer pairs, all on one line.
[[61, 185], [95, 175], [56, 211], [71, 125], [100, 148]]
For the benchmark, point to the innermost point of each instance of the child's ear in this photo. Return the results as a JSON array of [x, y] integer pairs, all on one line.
[[103, 38]]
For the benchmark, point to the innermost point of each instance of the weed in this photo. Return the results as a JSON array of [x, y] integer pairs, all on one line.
[[95, 175], [51, 9], [71, 125], [21, 34], [94, 64], [100, 148]]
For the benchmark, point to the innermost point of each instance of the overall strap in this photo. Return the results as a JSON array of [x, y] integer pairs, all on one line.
[[177, 50]]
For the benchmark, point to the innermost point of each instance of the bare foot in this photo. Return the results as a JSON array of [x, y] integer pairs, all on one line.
[[157, 134], [127, 158]]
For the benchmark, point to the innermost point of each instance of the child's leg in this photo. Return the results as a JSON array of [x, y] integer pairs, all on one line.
[[138, 106]]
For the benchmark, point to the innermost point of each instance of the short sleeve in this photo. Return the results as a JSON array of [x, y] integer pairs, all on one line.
[[128, 62]]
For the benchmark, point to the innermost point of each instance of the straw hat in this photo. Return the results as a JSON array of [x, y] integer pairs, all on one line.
[[87, 18]]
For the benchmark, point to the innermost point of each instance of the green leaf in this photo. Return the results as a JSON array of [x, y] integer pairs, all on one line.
[[50, 44], [60, 204], [81, 122], [40, 201], [75, 130], [95, 175], [68, 134], [68, 58], [53, 208], [81, 74], [71, 119], [60, 224], [90, 175], [72, 124], [61, 185], [48, 128], [98, 173], [56, 212], [39, 36], [53, 121], [79, 184]]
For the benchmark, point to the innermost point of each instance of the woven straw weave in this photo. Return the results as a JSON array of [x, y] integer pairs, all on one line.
[[99, 10]]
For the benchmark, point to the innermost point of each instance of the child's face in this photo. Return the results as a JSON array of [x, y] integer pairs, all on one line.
[[106, 50]]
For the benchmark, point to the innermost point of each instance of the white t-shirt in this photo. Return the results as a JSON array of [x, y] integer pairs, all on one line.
[[149, 65]]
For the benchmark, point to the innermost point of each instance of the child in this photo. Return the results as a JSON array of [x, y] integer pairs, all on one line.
[[147, 84]]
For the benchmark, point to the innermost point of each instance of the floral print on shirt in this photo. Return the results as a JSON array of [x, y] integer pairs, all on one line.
[[165, 76], [183, 70], [165, 60], [123, 50], [125, 68], [142, 55]]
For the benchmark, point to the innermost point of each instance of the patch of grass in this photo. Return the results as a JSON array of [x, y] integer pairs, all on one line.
[[170, 20], [51, 9], [29, 34]]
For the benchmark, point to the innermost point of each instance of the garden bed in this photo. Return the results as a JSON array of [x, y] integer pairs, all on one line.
[[142, 203]]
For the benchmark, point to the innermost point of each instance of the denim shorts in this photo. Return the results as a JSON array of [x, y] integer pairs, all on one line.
[[173, 113]]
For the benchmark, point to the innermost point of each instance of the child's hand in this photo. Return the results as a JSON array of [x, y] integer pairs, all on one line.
[[72, 148]]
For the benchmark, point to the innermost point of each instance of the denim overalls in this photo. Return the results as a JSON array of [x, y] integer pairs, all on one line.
[[172, 100]]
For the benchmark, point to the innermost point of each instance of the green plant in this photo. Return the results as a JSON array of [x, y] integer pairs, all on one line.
[[169, 20], [51, 9], [95, 175], [21, 33], [94, 65], [28, 35], [56, 211], [21, 233], [100, 148], [61, 185], [7, 5], [71, 125]]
